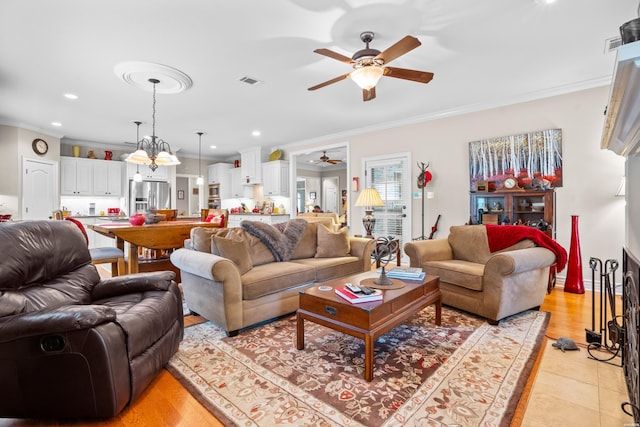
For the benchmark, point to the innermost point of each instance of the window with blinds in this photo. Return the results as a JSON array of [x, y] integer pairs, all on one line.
[[387, 178]]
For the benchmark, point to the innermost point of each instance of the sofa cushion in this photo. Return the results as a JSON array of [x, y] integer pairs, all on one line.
[[460, 273], [274, 277], [332, 268], [258, 251], [201, 238], [332, 244], [469, 243], [235, 251], [306, 247]]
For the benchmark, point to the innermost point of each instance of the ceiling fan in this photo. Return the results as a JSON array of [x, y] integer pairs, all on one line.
[[369, 65], [326, 159]]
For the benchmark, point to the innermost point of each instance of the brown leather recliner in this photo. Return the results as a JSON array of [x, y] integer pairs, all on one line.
[[72, 345]]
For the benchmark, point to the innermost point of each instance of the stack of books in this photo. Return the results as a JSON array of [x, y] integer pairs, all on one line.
[[358, 297], [406, 273]]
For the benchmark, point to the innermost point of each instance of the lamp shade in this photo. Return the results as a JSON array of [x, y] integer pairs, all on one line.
[[367, 77], [369, 197]]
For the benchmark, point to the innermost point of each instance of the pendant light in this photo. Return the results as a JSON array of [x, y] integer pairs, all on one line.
[[137, 177], [152, 150], [200, 180]]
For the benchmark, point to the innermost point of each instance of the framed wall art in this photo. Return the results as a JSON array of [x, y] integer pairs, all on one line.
[[534, 159]]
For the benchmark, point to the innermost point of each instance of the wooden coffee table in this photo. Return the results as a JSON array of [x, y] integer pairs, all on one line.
[[367, 321]]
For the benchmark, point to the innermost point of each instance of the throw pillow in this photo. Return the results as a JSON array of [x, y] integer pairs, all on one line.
[[332, 244], [215, 219], [235, 251]]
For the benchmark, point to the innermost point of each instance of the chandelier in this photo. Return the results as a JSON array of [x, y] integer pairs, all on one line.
[[153, 151]]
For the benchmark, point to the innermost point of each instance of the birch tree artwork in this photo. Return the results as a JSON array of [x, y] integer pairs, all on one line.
[[534, 158]]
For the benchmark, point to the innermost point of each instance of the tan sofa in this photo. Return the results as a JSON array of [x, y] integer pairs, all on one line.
[[330, 219], [490, 284], [233, 279]]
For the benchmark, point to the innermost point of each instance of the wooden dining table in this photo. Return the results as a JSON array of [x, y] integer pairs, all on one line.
[[163, 235]]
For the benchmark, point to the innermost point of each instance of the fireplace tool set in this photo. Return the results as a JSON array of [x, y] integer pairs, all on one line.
[[610, 334]]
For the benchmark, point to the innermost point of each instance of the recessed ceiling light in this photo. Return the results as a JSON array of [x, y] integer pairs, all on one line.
[[213, 147], [545, 2], [58, 124], [70, 96], [255, 133]]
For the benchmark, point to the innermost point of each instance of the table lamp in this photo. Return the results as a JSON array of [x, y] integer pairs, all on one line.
[[369, 198]]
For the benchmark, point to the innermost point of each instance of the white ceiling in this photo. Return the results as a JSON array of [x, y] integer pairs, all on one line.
[[483, 53]]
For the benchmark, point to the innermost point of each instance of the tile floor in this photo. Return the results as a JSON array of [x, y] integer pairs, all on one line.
[[572, 389]]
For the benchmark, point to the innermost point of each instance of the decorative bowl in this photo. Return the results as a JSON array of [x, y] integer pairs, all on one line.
[[137, 219], [152, 218]]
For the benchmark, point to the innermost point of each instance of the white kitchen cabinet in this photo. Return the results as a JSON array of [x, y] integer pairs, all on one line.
[[76, 176], [160, 174], [236, 184], [251, 164], [216, 171], [107, 178], [236, 219], [275, 178]]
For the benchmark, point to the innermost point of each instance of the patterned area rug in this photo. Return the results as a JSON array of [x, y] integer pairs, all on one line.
[[463, 373]]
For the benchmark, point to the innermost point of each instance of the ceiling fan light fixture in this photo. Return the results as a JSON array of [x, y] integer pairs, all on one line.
[[367, 77]]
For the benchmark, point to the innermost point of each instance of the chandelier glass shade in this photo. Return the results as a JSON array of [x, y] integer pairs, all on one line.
[[153, 151], [367, 76]]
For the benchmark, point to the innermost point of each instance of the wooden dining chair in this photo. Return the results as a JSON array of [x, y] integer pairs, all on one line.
[[105, 255], [222, 214], [170, 214]]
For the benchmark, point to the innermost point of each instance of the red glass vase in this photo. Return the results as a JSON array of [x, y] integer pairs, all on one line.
[[573, 283]]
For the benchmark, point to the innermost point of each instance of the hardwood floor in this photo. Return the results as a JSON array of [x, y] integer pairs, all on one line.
[[167, 403]]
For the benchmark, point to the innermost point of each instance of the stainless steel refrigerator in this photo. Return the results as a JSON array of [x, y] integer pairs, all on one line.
[[146, 194]]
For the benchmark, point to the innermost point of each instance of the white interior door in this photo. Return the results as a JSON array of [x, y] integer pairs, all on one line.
[[330, 194], [391, 176], [39, 188]]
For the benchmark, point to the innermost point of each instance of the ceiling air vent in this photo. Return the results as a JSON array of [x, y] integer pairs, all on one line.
[[612, 44], [250, 80]]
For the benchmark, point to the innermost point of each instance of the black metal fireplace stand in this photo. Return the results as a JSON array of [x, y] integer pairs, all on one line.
[[609, 335]]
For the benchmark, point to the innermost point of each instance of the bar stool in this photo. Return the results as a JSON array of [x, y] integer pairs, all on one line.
[[104, 255]]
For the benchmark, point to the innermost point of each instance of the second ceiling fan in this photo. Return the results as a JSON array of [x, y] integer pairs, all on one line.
[[369, 65]]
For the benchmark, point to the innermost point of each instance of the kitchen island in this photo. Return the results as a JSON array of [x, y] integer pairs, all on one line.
[[236, 218]]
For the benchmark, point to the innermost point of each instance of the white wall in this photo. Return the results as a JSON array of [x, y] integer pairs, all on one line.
[[591, 175]]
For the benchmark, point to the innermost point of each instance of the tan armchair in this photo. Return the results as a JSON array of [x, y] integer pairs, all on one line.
[[493, 285]]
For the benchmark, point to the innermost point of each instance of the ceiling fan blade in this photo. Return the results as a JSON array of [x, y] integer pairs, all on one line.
[[368, 94], [403, 73], [400, 48], [334, 55], [333, 162], [328, 82]]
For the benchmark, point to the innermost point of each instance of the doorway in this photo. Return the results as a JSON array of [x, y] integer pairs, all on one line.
[[391, 176], [189, 195], [39, 188], [330, 192], [304, 165]]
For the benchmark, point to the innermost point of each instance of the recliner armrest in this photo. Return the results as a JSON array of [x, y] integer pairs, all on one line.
[[421, 251], [61, 319], [131, 283]]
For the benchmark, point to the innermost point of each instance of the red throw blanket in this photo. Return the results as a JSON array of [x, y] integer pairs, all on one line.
[[503, 236]]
